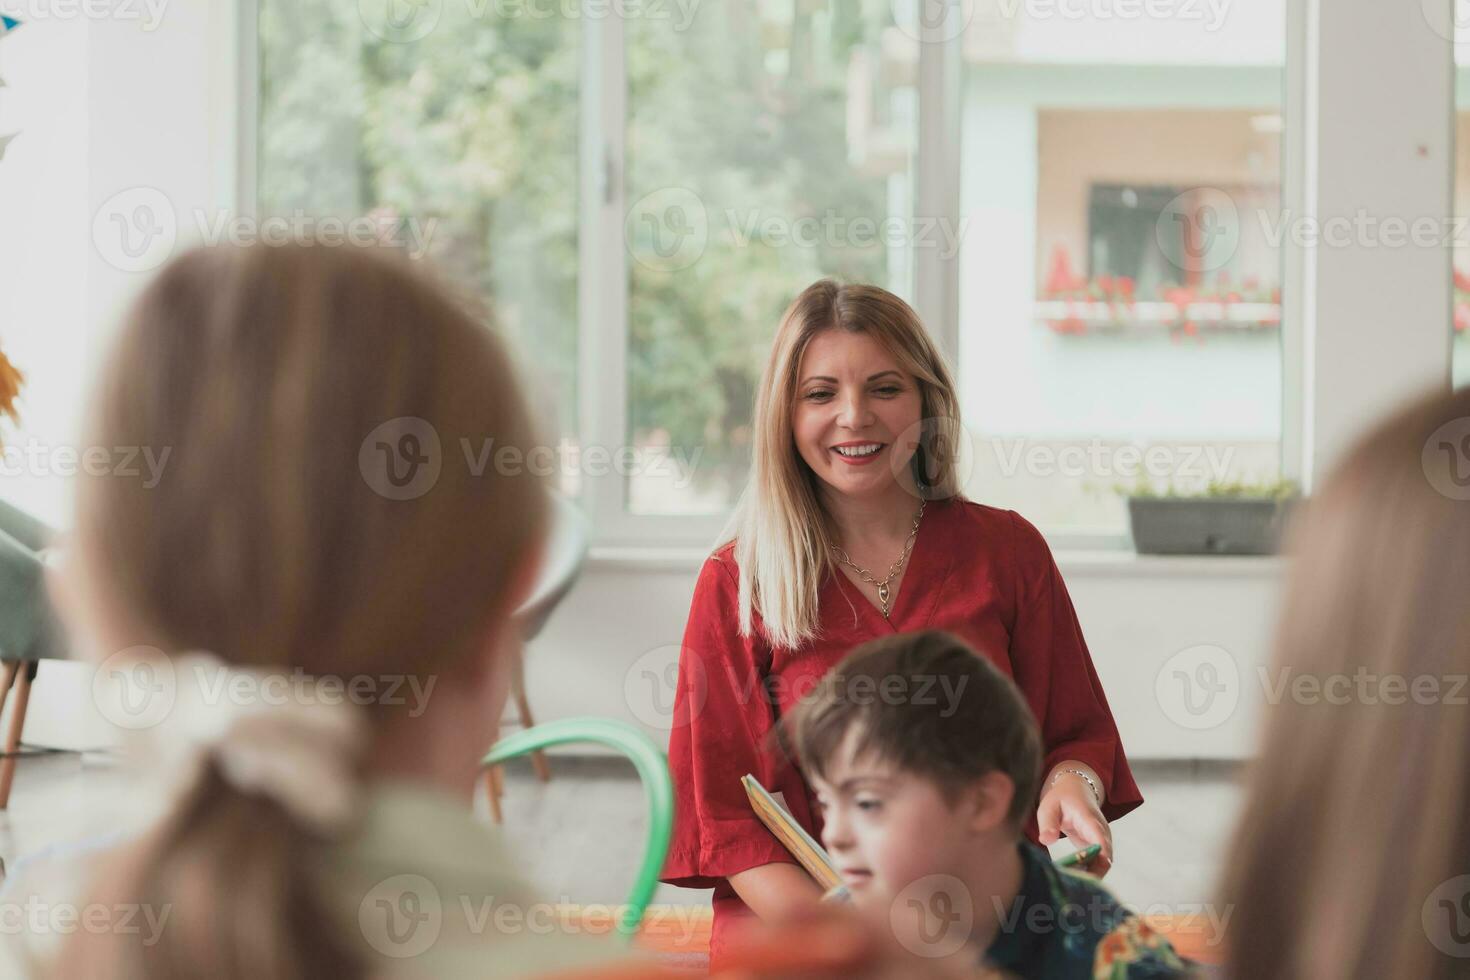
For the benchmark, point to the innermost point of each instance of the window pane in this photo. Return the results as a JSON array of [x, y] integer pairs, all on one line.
[[457, 131], [769, 144], [1121, 290]]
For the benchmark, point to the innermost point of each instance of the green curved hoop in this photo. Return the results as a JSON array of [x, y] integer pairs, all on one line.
[[658, 790]]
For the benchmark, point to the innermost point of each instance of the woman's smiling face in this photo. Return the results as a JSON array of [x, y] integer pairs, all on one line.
[[855, 418]]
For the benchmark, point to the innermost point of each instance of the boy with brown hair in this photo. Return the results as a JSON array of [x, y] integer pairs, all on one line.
[[926, 761]]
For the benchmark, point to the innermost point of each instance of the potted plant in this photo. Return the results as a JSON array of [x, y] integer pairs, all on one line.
[[1240, 518]]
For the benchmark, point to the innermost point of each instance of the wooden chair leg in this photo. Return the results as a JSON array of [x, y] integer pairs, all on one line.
[[17, 721], [523, 708], [492, 793], [7, 680]]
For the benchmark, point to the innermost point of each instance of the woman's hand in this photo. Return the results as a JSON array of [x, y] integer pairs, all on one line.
[[1069, 807]]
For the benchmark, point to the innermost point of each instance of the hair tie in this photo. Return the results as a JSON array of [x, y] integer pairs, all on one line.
[[299, 749]]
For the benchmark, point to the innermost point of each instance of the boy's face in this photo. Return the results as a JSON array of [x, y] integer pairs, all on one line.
[[887, 829]]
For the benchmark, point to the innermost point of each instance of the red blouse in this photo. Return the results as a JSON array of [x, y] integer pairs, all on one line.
[[983, 573]]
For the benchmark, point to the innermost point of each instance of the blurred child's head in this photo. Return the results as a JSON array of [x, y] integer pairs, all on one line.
[[317, 512], [317, 406], [925, 759], [1367, 754]]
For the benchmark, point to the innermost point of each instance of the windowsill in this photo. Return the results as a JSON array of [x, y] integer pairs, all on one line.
[[1099, 562], [1123, 563], [640, 558]]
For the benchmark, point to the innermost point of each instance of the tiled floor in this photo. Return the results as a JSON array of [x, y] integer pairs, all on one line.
[[62, 798], [582, 833]]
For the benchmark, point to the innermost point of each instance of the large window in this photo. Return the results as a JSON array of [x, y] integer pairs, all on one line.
[[1121, 314], [1107, 243], [768, 145], [763, 145], [459, 134]]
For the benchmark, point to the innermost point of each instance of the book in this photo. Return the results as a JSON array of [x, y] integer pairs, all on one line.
[[808, 853]]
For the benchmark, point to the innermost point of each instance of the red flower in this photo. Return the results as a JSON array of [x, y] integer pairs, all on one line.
[[1061, 279]]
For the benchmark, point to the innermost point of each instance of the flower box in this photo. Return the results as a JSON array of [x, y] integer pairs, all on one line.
[[1208, 525]]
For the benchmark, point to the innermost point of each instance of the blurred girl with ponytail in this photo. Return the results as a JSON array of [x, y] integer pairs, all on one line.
[[306, 613]]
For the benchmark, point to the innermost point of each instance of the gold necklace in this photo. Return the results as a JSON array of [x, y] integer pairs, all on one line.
[[894, 569]]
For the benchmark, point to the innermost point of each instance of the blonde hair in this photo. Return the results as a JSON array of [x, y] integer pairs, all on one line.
[[264, 369], [1356, 808], [782, 535]]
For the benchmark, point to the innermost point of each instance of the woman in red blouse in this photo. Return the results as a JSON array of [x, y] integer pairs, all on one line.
[[851, 528]]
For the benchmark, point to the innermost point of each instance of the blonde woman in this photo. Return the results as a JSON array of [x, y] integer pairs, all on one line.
[[852, 527], [1351, 860]]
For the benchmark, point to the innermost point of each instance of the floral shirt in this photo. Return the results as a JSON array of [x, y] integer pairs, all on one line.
[[1065, 924]]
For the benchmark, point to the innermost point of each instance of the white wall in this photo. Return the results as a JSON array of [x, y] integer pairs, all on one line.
[[44, 247], [44, 258], [1183, 32], [610, 647], [104, 106]]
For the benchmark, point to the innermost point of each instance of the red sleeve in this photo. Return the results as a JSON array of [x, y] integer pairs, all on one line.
[[723, 718], [1054, 669]]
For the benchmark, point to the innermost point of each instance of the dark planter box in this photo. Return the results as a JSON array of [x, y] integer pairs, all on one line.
[[1207, 525]]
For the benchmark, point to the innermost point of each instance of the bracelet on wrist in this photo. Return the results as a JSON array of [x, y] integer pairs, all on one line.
[[1091, 784]]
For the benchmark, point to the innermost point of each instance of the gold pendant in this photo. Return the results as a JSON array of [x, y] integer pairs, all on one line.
[[883, 597]]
